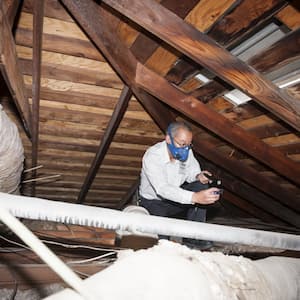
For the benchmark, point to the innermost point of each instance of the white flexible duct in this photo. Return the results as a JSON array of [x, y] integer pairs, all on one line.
[[40, 209], [11, 155], [172, 271]]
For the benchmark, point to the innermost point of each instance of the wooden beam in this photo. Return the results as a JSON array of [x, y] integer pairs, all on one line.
[[10, 70], [110, 131], [12, 7], [38, 17], [89, 15], [144, 46], [208, 53]]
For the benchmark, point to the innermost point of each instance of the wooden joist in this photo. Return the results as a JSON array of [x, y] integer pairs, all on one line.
[[36, 80], [11, 10]]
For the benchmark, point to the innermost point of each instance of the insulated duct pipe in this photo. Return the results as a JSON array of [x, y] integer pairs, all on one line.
[[11, 155], [172, 271], [40, 209]]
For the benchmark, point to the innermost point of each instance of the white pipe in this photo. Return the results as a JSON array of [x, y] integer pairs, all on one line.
[[45, 254], [40, 209]]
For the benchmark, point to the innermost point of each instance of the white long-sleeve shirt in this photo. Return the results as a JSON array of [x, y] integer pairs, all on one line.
[[162, 177]]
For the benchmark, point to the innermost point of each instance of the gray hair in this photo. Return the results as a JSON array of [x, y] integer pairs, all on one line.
[[175, 126]]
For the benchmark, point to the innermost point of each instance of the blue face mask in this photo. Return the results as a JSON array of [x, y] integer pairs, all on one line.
[[179, 153]]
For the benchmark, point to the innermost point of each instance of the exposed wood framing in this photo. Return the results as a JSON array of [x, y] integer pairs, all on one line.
[[125, 55], [12, 9], [10, 70], [110, 131], [208, 53], [38, 16]]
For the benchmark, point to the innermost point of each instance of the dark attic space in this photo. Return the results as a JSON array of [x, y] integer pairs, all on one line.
[[149, 149]]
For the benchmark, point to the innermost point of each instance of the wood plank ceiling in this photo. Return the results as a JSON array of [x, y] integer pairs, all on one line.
[[95, 84]]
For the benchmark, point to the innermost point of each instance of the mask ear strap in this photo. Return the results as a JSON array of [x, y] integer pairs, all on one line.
[[170, 135]]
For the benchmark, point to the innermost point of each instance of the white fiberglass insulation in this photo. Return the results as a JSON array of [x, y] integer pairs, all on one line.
[[170, 271], [11, 155]]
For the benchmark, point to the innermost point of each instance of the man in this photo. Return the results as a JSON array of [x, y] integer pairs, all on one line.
[[172, 183]]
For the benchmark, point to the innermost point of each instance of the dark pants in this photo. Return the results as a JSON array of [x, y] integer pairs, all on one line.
[[171, 209]]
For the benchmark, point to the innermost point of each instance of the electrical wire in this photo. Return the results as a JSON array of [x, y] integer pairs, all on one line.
[[67, 246], [90, 259], [15, 243]]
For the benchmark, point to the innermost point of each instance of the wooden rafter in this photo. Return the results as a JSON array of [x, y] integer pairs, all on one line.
[[10, 70], [38, 16], [11, 11], [205, 51], [110, 131]]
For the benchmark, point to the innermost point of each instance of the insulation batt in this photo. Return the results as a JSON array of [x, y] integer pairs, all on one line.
[[11, 155], [171, 271]]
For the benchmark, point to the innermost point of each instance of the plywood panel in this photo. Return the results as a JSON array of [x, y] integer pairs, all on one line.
[[54, 26]]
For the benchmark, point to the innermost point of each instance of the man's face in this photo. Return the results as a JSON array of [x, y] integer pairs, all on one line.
[[179, 145], [182, 138]]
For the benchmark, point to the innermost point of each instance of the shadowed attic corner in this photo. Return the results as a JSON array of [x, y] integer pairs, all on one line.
[[89, 86]]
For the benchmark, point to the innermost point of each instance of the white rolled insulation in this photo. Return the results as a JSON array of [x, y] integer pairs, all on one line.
[[11, 155], [40, 209], [171, 271]]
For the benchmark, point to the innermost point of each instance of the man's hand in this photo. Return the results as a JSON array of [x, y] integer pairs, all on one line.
[[202, 178], [208, 196]]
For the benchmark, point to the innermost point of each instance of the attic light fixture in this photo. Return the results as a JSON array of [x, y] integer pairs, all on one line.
[[202, 78], [236, 97]]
